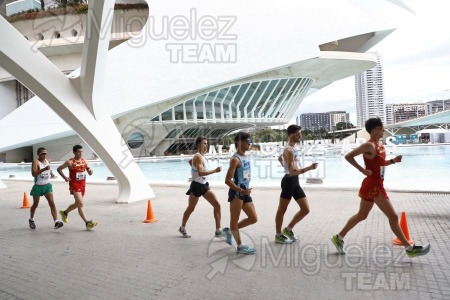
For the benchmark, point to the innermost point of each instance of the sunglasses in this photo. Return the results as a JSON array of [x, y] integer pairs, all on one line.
[[43, 153], [248, 141]]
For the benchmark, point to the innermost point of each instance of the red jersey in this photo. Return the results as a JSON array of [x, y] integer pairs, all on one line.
[[373, 185], [77, 175]]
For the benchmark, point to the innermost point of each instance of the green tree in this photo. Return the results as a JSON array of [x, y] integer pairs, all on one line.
[[266, 135], [307, 134], [227, 140], [344, 125]]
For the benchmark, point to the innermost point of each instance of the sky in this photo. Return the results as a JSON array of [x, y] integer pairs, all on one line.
[[416, 62]]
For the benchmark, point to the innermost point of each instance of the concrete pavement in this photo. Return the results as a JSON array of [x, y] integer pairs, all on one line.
[[123, 258]]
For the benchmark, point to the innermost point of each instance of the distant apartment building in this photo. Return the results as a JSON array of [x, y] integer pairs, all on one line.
[[315, 121], [326, 120], [401, 112], [369, 87], [338, 117], [437, 106]]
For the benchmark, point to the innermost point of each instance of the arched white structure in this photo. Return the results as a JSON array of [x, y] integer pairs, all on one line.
[[188, 49], [78, 100]]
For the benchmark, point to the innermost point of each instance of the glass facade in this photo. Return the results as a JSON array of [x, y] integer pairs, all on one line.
[[258, 101]]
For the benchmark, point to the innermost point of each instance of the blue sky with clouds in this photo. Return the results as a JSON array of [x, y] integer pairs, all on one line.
[[416, 61]]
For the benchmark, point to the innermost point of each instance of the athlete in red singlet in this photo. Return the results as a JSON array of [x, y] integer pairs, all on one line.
[[78, 167], [372, 185], [372, 190]]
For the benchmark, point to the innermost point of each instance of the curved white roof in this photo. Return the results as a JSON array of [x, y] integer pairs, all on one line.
[[268, 37]]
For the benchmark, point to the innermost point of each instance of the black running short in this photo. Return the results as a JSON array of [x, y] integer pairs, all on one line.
[[198, 189], [232, 193], [290, 187]]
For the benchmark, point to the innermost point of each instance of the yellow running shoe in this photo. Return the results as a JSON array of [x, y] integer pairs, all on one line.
[[90, 224], [63, 216]]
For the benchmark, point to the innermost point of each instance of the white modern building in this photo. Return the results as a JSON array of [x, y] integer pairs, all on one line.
[[189, 68], [369, 87]]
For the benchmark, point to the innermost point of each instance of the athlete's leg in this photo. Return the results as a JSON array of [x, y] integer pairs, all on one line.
[[34, 206], [51, 203], [386, 207], [78, 204], [249, 210], [192, 202], [364, 209], [304, 210], [72, 206], [235, 211], [212, 199], [282, 207]]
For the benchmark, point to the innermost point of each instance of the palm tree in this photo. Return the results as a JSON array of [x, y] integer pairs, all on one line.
[[227, 140]]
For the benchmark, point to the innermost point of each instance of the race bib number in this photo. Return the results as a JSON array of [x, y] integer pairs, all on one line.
[[382, 170], [80, 176], [247, 174], [45, 175]]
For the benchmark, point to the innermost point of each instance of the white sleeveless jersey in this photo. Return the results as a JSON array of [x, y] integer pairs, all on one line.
[[44, 177], [194, 172]]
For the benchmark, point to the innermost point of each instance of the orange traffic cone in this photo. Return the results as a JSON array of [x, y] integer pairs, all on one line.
[[404, 226], [25, 203], [150, 216]]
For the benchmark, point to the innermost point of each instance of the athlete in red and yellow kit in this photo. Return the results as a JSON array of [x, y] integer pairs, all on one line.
[[78, 167], [372, 190]]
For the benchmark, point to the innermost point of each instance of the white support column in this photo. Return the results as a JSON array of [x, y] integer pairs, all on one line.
[[36, 72], [96, 44]]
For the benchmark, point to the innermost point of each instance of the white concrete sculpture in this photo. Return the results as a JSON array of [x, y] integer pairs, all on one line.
[[76, 100]]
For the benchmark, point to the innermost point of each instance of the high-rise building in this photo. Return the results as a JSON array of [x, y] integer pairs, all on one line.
[[390, 113], [369, 87]]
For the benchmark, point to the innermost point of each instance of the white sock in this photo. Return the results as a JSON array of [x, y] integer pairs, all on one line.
[[409, 248], [218, 230], [31, 219], [289, 228]]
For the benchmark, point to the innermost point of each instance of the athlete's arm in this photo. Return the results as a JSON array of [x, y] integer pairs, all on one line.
[[66, 164], [234, 164], [35, 171], [289, 156], [280, 159], [394, 160], [367, 149], [89, 170], [198, 164]]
